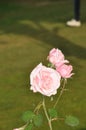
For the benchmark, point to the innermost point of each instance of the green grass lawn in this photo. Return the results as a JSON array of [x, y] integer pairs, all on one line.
[[27, 33]]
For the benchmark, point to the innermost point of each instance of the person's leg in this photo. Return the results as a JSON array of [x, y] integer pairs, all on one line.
[[76, 21], [77, 10]]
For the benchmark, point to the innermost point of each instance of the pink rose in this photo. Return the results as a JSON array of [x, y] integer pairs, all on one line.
[[56, 57], [65, 70], [16, 129], [45, 80], [21, 128]]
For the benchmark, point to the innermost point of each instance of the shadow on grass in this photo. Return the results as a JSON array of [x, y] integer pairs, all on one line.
[[24, 20]]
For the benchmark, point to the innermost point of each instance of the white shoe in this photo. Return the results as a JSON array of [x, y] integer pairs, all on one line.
[[74, 23]]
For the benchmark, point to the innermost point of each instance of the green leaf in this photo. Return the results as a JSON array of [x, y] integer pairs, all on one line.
[[28, 116], [71, 121], [29, 127], [38, 119], [49, 64], [52, 112]]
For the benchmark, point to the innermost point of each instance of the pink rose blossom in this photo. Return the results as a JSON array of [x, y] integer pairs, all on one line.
[[16, 129], [65, 70], [45, 80], [56, 57], [20, 128]]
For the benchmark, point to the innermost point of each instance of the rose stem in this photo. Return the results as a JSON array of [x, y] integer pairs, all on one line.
[[60, 93], [45, 111]]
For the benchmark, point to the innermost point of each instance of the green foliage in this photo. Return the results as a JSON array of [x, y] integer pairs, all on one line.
[[49, 65], [28, 116], [71, 121], [38, 119], [52, 112]]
